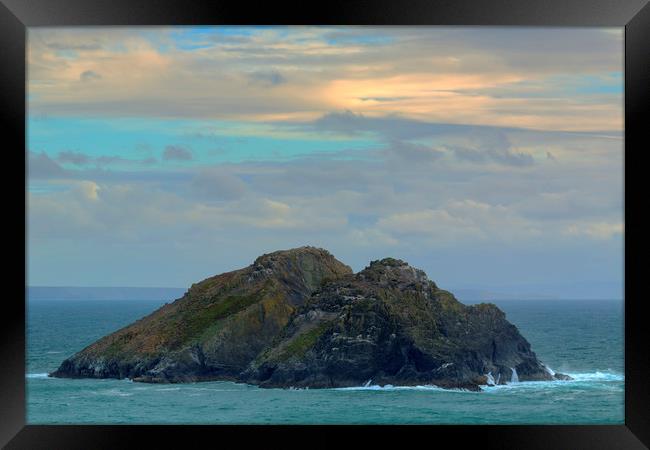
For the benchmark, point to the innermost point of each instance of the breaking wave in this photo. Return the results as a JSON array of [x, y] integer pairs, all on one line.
[[581, 378], [390, 387], [597, 376]]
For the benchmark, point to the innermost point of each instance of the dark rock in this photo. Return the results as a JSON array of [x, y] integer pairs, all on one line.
[[300, 318], [392, 325], [216, 329], [561, 376]]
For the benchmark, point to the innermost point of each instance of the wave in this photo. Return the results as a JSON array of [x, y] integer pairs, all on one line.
[[390, 387], [581, 378], [578, 377], [37, 375], [597, 376], [115, 392]]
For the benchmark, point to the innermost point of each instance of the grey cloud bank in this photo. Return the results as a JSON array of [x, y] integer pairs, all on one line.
[[469, 223], [173, 152]]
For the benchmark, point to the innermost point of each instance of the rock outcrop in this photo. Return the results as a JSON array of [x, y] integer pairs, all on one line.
[[300, 318], [216, 329], [389, 324]]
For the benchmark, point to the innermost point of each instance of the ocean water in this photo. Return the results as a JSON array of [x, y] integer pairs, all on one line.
[[581, 338]]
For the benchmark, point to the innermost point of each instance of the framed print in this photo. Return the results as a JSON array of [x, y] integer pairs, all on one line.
[[255, 221]]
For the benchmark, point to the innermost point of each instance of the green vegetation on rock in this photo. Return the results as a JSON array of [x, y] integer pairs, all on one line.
[[303, 342]]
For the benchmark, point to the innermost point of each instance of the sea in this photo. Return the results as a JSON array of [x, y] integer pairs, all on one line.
[[582, 338]]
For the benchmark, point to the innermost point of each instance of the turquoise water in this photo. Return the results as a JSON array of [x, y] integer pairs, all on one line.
[[578, 337]]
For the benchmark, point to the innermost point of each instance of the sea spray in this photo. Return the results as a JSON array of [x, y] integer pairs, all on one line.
[[36, 375], [597, 376], [515, 377], [549, 370]]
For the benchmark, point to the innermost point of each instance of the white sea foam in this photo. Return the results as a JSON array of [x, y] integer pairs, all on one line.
[[549, 370], [390, 387], [597, 376], [579, 380], [36, 375], [117, 392], [515, 377], [114, 392]]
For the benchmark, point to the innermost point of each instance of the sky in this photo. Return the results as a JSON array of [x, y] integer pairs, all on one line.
[[490, 157]]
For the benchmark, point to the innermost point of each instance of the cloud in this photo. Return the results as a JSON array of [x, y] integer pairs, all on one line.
[[218, 184], [393, 127], [133, 212], [76, 158], [413, 153], [445, 136], [42, 166], [509, 156], [383, 99], [483, 144], [596, 230], [587, 204], [497, 77], [89, 190], [409, 198], [107, 160], [89, 75], [176, 153], [504, 156], [73, 45], [84, 160], [345, 122], [267, 78], [460, 221]]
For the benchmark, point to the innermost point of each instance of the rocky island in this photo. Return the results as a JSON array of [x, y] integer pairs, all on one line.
[[301, 318]]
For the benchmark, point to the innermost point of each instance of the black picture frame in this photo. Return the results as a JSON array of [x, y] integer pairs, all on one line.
[[17, 15]]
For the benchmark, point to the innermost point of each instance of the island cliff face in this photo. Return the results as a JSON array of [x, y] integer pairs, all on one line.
[[216, 329], [300, 318]]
